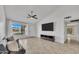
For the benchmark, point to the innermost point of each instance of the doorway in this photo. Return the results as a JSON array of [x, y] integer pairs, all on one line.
[[72, 34]]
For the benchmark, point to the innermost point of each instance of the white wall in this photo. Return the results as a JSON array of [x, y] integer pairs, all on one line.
[[32, 31], [58, 28], [2, 24], [59, 25], [1, 28], [26, 30], [39, 27], [2, 21], [77, 31]]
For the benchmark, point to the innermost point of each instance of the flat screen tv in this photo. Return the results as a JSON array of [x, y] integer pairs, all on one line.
[[47, 27]]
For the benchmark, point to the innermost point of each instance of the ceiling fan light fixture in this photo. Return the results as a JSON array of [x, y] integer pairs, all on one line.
[[31, 16]]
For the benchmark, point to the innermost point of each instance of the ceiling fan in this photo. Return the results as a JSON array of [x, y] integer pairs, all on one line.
[[32, 15]]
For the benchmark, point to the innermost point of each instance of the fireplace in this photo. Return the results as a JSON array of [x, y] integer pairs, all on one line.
[[48, 37]]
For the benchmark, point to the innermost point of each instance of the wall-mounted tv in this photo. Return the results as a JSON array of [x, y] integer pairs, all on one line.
[[47, 27]]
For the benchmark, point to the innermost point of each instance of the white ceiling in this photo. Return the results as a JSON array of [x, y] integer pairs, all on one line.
[[19, 12]]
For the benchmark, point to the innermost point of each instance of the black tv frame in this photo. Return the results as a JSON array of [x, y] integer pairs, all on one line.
[[48, 26]]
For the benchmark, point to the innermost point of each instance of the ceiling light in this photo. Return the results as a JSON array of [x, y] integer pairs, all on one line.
[[31, 16]]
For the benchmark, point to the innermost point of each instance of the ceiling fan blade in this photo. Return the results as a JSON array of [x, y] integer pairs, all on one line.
[[35, 17], [29, 15], [32, 16]]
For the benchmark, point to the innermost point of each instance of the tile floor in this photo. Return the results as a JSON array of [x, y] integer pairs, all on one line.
[[40, 46]]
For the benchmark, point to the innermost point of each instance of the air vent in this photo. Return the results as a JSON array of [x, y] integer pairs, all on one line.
[[67, 17]]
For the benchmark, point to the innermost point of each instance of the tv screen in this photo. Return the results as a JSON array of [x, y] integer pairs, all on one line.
[[47, 27]]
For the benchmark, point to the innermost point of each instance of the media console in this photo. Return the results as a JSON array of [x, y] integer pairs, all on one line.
[[48, 37]]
